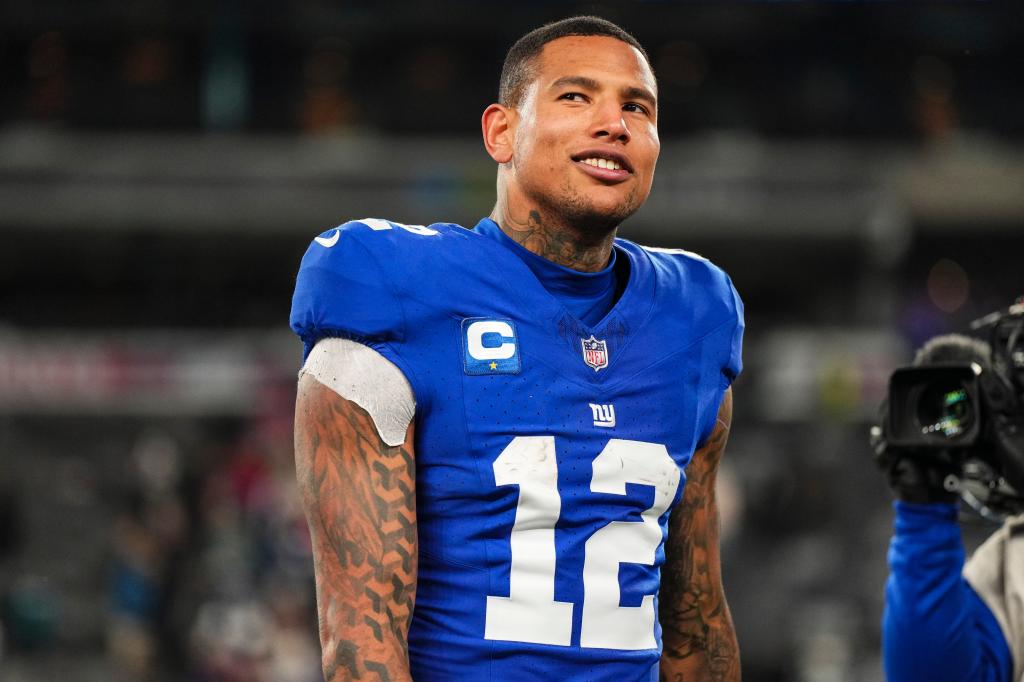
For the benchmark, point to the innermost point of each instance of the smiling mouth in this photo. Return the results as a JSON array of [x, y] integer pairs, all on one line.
[[607, 165], [602, 163], [605, 170]]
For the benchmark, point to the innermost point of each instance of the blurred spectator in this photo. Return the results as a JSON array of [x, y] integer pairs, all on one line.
[[133, 588], [255, 620]]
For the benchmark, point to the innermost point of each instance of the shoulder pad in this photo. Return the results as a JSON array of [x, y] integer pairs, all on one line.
[[704, 284], [344, 287], [365, 227], [675, 252]]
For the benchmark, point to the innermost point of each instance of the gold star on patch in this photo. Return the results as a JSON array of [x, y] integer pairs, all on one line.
[[494, 365]]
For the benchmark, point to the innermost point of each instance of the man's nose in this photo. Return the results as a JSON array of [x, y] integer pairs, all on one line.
[[610, 125]]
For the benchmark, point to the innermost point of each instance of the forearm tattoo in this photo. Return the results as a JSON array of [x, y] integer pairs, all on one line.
[[697, 631], [359, 498]]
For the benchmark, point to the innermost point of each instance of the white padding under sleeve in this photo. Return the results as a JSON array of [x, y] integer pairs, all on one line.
[[364, 376]]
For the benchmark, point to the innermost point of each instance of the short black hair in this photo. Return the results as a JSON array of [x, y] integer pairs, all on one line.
[[518, 69]]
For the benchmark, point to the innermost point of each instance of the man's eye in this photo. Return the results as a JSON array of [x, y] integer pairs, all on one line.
[[634, 107], [573, 97]]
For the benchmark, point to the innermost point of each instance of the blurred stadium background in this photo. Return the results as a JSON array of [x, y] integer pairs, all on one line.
[[857, 168]]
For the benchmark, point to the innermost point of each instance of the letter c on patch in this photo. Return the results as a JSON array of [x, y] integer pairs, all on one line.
[[477, 331]]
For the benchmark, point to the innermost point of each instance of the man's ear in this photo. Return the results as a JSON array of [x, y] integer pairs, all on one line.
[[498, 124]]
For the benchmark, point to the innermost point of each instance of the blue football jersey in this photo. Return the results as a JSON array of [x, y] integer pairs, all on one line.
[[549, 453]]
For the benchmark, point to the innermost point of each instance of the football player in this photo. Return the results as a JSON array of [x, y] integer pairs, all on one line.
[[507, 437]]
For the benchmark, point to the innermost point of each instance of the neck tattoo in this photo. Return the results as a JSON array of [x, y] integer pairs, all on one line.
[[561, 245]]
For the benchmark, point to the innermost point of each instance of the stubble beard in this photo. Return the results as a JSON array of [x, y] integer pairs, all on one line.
[[569, 208]]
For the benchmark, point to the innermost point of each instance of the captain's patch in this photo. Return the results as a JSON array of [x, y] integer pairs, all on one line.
[[490, 346]]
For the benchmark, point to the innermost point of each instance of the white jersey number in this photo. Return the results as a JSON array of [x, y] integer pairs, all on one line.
[[530, 612], [378, 225]]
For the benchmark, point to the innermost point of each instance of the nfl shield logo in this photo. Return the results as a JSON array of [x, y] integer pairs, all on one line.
[[595, 352]]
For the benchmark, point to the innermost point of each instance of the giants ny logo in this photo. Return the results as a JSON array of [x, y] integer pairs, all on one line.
[[604, 415]]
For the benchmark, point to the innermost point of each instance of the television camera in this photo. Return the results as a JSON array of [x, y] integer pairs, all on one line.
[[958, 412]]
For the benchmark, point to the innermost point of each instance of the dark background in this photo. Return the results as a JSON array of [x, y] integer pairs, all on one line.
[[857, 168]]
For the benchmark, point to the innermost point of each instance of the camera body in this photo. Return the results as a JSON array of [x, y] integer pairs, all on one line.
[[936, 406], [963, 401]]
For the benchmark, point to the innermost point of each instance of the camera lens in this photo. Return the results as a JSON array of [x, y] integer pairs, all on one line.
[[945, 411]]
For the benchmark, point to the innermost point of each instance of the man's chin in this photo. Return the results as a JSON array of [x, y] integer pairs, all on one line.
[[593, 211], [605, 209], [617, 210], [597, 219]]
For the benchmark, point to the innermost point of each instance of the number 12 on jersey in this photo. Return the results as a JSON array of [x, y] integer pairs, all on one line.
[[530, 612]]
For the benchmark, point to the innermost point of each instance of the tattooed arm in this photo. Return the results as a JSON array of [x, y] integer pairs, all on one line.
[[697, 631], [360, 502]]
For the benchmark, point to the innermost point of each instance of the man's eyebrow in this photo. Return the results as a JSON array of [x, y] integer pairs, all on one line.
[[633, 92], [578, 81], [628, 92]]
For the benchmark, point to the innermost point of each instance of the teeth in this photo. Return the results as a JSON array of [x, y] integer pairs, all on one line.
[[603, 163]]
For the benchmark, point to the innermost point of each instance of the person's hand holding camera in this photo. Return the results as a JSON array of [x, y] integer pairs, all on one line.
[[920, 477]]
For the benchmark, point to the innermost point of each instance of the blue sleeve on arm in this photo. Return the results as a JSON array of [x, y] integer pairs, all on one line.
[[935, 628], [735, 364], [342, 290]]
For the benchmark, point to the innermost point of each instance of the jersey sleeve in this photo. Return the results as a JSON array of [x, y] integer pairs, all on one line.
[[716, 316], [734, 363], [342, 291], [728, 347], [935, 627]]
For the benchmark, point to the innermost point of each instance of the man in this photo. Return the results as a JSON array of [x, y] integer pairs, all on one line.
[[494, 423], [944, 619]]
